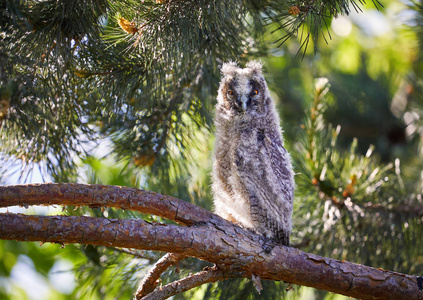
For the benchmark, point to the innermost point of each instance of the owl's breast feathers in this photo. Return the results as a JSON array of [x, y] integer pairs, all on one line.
[[264, 169]]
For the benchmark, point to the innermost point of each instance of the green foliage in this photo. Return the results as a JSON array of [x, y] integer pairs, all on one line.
[[42, 257], [245, 290], [358, 204], [45, 116], [141, 88], [309, 20], [110, 273]]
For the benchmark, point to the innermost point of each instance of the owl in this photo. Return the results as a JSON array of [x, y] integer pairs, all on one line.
[[253, 180]]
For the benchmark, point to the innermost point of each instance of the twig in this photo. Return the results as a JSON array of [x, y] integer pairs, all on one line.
[[187, 283], [150, 281]]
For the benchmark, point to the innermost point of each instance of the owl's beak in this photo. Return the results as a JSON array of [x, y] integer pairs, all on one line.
[[244, 101]]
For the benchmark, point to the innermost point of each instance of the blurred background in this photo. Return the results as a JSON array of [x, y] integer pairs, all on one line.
[[123, 93]]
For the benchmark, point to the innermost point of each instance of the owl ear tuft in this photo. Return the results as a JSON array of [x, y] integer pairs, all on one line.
[[256, 66], [229, 68]]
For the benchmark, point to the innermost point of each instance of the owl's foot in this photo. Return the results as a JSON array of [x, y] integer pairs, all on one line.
[[268, 244]]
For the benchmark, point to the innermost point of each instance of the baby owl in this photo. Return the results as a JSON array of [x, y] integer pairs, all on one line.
[[253, 181]]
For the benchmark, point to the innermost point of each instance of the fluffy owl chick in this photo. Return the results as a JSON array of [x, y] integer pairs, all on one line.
[[253, 181]]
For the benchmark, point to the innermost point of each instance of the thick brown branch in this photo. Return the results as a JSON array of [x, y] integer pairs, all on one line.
[[186, 284], [151, 280], [104, 196], [236, 251]]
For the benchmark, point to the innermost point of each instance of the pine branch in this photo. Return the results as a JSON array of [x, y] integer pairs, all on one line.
[[308, 20], [185, 284], [93, 196], [150, 281], [237, 252], [126, 84], [134, 199]]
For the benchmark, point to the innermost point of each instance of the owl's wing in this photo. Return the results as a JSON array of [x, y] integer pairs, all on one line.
[[280, 161], [265, 171]]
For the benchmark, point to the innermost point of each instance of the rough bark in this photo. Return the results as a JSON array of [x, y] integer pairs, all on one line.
[[103, 196], [150, 281], [186, 284], [237, 252]]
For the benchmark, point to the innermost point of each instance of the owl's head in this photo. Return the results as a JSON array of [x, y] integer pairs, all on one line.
[[243, 90]]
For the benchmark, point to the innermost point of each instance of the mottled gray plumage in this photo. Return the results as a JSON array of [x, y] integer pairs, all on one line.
[[253, 181]]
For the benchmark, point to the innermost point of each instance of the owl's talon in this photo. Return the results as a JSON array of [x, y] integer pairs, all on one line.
[[268, 249], [268, 244]]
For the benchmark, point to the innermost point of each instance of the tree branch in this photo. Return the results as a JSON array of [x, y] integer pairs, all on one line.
[[121, 197], [236, 251], [150, 281], [186, 284]]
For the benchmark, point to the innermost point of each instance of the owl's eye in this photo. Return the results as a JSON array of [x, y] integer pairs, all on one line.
[[230, 93], [254, 92]]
